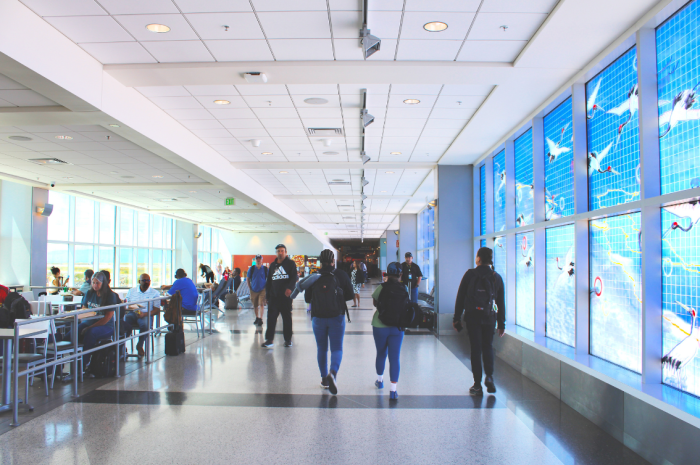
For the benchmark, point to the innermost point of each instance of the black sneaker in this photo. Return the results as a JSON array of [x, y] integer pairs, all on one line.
[[476, 390], [288, 344], [490, 387], [256, 322], [324, 383], [260, 322], [332, 385], [267, 345]]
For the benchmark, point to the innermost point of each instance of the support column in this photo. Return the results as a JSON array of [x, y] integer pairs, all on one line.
[[382, 252], [489, 198], [16, 233], [454, 237], [392, 250], [186, 248], [408, 229], [40, 231], [539, 233]]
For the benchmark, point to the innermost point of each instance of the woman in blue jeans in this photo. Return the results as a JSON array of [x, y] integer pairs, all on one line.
[[388, 339], [327, 297]]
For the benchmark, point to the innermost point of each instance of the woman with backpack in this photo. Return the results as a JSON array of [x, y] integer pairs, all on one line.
[[327, 297], [479, 292], [391, 300]]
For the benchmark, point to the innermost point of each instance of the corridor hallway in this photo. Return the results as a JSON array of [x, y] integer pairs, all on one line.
[[227, 400]]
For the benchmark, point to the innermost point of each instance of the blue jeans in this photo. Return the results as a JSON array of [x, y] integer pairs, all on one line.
[[131, 322], [91, 337], [326, 329], [414, 295], [388, 340]]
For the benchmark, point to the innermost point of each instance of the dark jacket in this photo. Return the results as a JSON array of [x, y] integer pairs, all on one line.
[[343, 282], [414, 271], [462, 294], [280, 277], [205, 270]]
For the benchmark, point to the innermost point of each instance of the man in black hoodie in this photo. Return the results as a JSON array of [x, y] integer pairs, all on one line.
[[282, 279]]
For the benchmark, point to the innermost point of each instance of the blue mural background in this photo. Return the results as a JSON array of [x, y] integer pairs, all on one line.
[[482, 198], [559, 162], [524, 198], [613, 134], [561, 291], [482, 243], [499, 191], [681, 296], [499, 257], [525, 280], [615, 290], [677, 42]]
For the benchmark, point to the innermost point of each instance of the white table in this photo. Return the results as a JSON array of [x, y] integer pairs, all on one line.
[[7, 336]]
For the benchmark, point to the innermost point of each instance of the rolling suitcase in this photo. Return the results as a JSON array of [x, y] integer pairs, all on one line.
[[175, 342]]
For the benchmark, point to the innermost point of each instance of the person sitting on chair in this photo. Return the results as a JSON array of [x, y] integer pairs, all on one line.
[[188, 292], [85, 287], [138, 316]]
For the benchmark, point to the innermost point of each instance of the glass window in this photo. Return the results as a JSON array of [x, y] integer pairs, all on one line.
[[83, 259], [126, 226], [126, 267], [499, 257], [168, 233], [561, 285], [482, 198], [141, 262], [616, 294], [157, 231], [678, 64], [168, 267], [524, 188], [482, 243], [425, 255], [84, 220], [499, 191], [143, 229], [525, 280], [59, 221], [106, 261], [157, 273], [613, 134], [107, 217], [57, 255], [559, 162], [680, 251], [206, 238]]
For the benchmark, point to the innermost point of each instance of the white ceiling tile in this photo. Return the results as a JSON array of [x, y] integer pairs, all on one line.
[[392, 132], [405, 123], [349, 49], [383, 24], [262, 89], [190, 114], [8, 84], [285, 5], [249, 133], [163, 91], [183, 51], [119, 53], [213, 6], [491, 50], [241, 123], [276, 113], [135, 7], [268, 101], [453, 113], [320, 113], [450, 133], [428, 50], [211, 90], [302, 49], [239, 50], [295, 24], [459, 101], [211, 133], [65, 7], [171, 103], [136, 25], [90, 28], [374, 5], [236, 101], [466, 89], [323, 123], [287, 132], [311, 90], [25, 98], [518, 6], [521, 26], [443, 6], [425, 101], [445, 123], [232, 113], [5, 103], [416, 89], [210, 26], [413, 22]]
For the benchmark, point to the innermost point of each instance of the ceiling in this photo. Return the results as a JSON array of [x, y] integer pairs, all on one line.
[[139, 104]]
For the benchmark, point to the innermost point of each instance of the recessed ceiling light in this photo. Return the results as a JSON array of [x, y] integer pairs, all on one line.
[[64, 137], [389, 172], [222, 102], [168, 200], [316, 101], [157, 176], [383, 191], [193, 192], [395, 153], [20, 138], [283, 172], [330, 153], [114, 126], [127, 177], [266, 153], [435, 26], [159, 28], [411, 101]]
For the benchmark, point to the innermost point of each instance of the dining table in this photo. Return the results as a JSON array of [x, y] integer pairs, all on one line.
[[7, 336]]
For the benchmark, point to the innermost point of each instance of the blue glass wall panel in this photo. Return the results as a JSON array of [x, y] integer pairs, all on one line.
[[482, 243], [499, 191], [482, 197], [559, 162], [677, 42], [525, 280], [524, 189], [613, 134], [499, 257], [680, 250], [615, 290], [561, 290]]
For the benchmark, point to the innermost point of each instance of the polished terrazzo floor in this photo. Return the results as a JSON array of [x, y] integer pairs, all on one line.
[[227, 400]]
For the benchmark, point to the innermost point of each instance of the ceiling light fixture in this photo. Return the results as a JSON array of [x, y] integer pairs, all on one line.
[[395, 153], [383, 192], [283, 172], [365, 158], [411, 101], [330, 153], [193, 192], [364, 181], [20, 138], [266, 153], [158, 28], [157, 176], [316, 101], [256, 142], [114, 126], [389, 172], [68, 177], [222, 102], [435, 26], [64, 137]]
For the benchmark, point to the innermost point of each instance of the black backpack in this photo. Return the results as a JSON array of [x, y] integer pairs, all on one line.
[[393, 305], [481, 294], [15, 306], [327, 297], [103, 363]]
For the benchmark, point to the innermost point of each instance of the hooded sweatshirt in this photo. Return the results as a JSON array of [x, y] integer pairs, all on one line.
[[280, 277]]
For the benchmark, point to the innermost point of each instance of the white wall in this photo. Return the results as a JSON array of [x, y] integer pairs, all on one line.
[[185, 247], [264, 243], [15, 233]]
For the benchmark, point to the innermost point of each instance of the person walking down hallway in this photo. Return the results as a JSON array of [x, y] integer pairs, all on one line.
[[206, 272], [411, 276], [257, 279], [479, 292], [278, 289], [356, 277], [327, 297]]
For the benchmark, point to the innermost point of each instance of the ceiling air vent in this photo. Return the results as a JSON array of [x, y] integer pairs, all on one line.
[[326, 132], [49, 161], [338, 183]]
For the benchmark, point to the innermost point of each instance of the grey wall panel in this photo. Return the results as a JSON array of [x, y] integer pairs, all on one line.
[[408, 230], [40, 231], [510, 350], [542, 368], [657, 436], [596, 400]]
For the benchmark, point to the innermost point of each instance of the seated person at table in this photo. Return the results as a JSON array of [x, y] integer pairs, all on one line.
[[188, 291], [85, 287], [100, 295], [57, 280], [138, 316]]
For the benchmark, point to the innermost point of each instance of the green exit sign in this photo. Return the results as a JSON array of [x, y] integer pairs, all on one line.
[[230, 201]]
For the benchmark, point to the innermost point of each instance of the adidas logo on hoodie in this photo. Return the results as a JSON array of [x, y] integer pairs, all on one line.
[[279, 273]]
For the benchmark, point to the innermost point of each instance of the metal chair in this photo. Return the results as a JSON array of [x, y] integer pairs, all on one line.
[[197, 317], [57, 350], [31, 360]]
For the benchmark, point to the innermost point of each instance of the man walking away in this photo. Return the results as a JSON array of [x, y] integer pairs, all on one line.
[[327, 297], [480, 294], [278, 289], [257, 278], [411, 276]]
